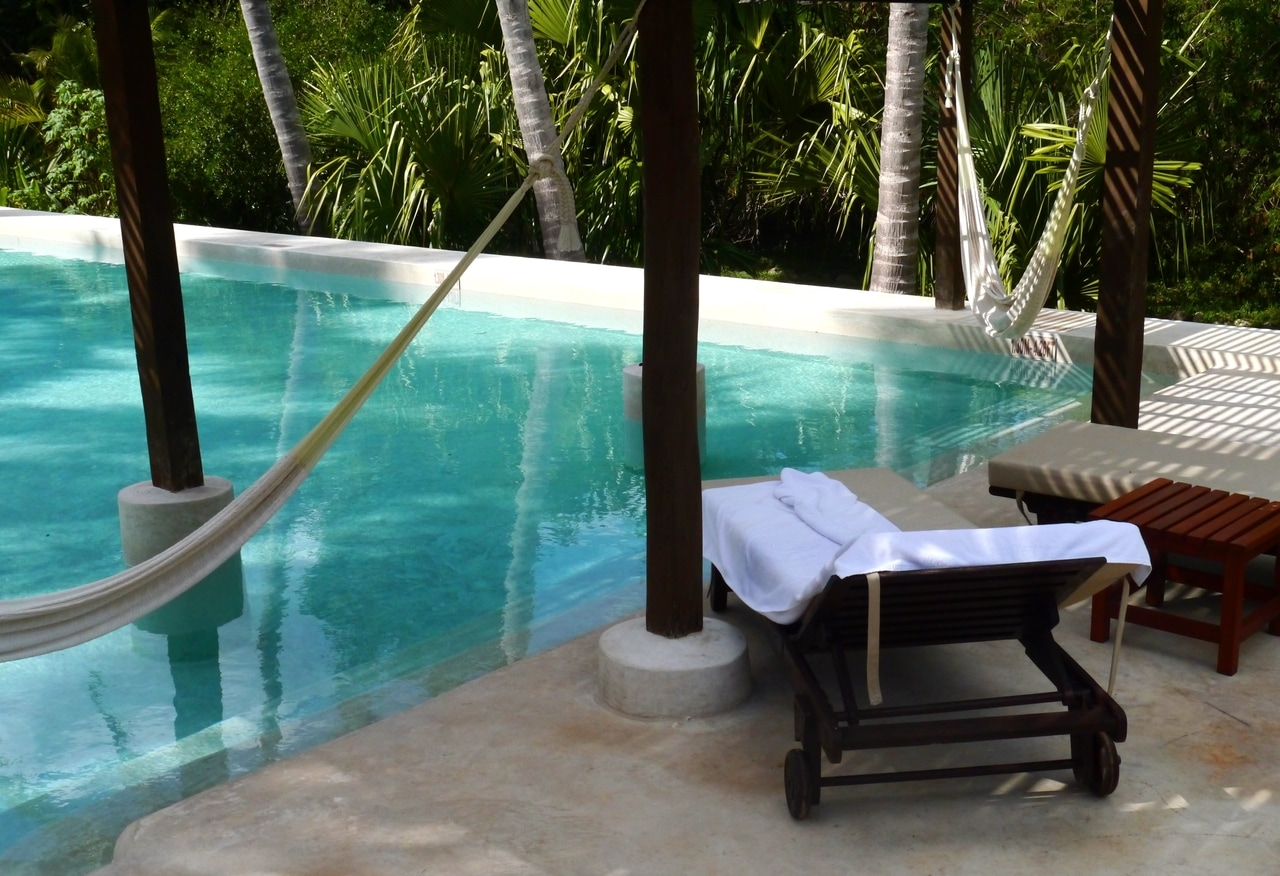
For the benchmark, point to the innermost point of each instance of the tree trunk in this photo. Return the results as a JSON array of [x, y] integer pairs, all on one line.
[[557, 213], [281, 104], [897, 243]]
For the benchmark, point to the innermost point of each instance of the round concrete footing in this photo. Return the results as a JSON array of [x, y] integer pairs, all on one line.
[[651, 676], [152, 519], [633, 416]]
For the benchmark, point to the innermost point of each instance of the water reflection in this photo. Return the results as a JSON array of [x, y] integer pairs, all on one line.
[[189, 625], [197, 696]]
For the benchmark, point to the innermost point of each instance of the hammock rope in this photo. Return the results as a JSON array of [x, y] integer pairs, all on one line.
[[49, 622], [1010, 314]]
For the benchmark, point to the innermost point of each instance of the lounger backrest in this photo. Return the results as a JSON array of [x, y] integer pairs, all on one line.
[[944, 606]]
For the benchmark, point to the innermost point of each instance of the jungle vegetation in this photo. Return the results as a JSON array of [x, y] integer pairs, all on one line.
[[414, 135]]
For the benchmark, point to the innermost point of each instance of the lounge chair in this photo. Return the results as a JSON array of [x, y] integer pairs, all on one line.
[[893, 589]]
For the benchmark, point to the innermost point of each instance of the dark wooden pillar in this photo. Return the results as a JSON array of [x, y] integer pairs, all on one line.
[[1126, 210], [948, 272], [672, 232], [128, 72]]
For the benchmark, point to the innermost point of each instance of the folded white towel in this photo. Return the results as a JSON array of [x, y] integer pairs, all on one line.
[[766, 552], [827, 506]]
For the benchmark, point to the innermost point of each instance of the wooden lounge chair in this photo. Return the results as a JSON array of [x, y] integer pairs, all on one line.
[[924, 607], [934, 607]]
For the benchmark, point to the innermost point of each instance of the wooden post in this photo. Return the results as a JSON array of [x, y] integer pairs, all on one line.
[[1126, 210], [127, 68], [672, 232], [948, 271]]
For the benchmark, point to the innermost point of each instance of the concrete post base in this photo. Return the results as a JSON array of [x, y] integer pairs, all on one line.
[[152, 520], [650, 676], [633, 420]]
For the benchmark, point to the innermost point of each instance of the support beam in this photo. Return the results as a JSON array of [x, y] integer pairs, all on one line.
[[127, 67], [1126, 210], [948, 272], [672, 232]]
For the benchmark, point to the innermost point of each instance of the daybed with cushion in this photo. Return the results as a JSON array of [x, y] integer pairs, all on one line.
[[836, 577], [1220, 429], [1214, 438]]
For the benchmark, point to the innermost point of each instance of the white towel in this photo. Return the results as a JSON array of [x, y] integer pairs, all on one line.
[[1120, 543], [769, 543], [827, 506], [776, 562], [765, 551]]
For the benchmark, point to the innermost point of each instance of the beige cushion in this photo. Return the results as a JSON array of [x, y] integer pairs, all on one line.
[[904, 504], [1096, 463]]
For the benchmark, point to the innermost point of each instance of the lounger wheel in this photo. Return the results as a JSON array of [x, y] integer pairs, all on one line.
[[1095, 762], [799, 783], [803, 766]]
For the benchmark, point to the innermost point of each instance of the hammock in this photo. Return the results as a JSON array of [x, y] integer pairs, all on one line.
[[1003, 314], [49, 622]]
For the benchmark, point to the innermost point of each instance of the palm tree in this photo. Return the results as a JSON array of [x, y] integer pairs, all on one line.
[[21, 116], [557, 213], [295, 150], [898, 213]]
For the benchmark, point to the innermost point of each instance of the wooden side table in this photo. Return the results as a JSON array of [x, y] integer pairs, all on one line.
[[1226, 528]]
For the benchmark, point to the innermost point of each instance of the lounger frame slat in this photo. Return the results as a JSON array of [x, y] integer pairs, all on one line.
[[937, 606]]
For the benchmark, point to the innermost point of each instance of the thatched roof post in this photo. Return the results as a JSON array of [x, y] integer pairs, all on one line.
[[672, 219], [1126, 210], [948, 273], [127, 69]]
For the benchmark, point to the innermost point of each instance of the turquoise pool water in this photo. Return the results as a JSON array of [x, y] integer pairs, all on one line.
[[478, 509]]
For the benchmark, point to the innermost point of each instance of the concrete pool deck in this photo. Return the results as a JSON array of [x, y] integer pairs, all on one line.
[[524, 772]]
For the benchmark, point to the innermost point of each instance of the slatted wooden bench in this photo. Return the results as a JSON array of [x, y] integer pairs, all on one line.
[[1184, 520]]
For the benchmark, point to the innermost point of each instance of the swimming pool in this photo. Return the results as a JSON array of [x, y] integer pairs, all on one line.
[[478, 509]]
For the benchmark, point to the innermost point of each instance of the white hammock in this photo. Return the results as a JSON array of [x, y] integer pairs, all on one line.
[[1003, 314], [49, 622]]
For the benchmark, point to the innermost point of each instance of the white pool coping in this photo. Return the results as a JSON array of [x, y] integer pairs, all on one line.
[[784, 316]]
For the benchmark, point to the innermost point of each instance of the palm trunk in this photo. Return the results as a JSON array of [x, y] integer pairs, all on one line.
[[898, 213], [557, 214], [281, 104]]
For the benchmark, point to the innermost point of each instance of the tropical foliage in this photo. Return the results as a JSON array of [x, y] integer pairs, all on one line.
[[784, 86], [79, 176], [414, 156], [416, 139], [224, 161], [1024, 131]]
